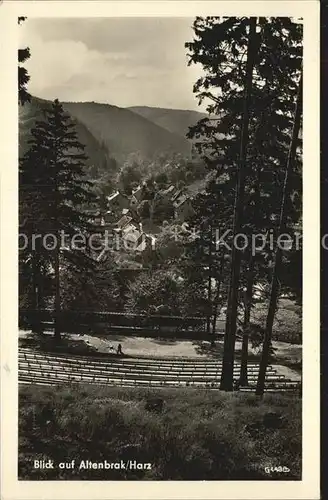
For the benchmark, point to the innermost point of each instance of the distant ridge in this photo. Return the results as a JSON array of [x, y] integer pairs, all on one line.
[[98, 157], [109, 131], [176, 121], [124, 131]]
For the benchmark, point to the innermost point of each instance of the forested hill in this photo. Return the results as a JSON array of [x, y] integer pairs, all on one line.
[[124, 132], [176, 121], [99, 158], [111, 133]]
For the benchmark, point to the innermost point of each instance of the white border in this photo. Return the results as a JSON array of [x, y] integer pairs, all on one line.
[[306, 489]]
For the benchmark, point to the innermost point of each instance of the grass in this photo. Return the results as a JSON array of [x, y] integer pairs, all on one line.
[[199, 434]]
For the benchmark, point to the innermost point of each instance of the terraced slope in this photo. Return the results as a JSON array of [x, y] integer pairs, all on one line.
[[52, 368]]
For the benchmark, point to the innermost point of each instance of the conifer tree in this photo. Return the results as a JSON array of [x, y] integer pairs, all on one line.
[[232, 307], [203, 260], [54, 190], [274, 292], [220, 46], [23, 76]]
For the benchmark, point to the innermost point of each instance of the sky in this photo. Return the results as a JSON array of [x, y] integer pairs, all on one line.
[[119, 61]]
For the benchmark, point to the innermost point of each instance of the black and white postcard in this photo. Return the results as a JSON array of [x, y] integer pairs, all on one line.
[[160, 250]]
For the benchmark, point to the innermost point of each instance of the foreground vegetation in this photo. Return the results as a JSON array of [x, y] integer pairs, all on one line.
[[197, 434]]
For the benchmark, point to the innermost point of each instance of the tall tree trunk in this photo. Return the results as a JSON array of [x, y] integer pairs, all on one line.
[[36, 327], [274, 292], [151, 211], [231, 321], [57, 292], [209, 287], [57, 326], [217, 299], [152, 205], [243, 380]]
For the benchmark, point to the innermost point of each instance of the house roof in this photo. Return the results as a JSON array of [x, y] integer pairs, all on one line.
[[176, 195], [124, 221], [93, 211], [133, 199], [137, 189], [130, 227], [131, 233], [152, 239], [113, 196], [169, 190], [180, 201]]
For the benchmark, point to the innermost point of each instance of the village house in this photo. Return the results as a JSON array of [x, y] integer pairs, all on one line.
[[132, 239], [120, 224], [167, 193], [176, 195], [146, 242], [134, 203], [138, 193], [132, 236], [147, 248], [183, 207], [95, 217], [118, 200], [109, 217], [131, 212]]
